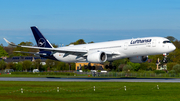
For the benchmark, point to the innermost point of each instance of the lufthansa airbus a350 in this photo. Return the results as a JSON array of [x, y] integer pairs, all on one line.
[[137, 50]]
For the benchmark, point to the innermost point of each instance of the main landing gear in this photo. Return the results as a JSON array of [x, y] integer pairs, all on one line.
[[110, 66]]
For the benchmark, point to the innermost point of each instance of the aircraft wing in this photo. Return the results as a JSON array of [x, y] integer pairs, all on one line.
[[64, 50], [49, 49], [58, 49]]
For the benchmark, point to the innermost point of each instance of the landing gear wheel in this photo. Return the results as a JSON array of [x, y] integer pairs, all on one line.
[[165, 58]]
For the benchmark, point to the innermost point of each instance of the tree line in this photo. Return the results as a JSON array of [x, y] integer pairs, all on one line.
[[51, 65]]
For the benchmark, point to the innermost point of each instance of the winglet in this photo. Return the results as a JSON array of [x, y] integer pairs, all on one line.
[[10, 43]]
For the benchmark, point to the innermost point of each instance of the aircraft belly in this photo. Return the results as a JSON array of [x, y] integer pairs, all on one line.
[[68, 58]]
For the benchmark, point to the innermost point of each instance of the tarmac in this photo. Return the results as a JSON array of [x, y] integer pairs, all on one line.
[[91, 79]]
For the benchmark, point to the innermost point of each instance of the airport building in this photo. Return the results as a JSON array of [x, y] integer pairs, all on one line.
[[94, 66]]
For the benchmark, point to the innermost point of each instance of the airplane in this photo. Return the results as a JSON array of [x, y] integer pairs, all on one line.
[[137, 50]]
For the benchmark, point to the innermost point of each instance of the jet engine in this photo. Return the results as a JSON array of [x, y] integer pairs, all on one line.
[[97, 57], [138, 59]]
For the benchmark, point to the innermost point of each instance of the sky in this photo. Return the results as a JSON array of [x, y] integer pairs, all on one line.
[[66, 21]]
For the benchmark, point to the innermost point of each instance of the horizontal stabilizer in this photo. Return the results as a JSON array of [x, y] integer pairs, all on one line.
[[35, 53]]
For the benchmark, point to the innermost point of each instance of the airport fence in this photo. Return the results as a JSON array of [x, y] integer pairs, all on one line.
[[100, 74], [65, 72], [134, 75]]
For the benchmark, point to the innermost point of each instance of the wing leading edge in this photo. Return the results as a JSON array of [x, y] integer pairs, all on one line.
[[62, 49], [49, 49]]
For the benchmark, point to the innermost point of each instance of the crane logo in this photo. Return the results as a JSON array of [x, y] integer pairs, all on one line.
[[41, 42]]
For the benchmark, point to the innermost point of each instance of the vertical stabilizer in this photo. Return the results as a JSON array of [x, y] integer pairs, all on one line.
[[40, 39]]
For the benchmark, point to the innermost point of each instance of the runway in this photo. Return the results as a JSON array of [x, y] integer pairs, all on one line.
[[91, 79]]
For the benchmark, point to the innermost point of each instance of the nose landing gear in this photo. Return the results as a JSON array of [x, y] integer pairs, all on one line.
[[165, 58], [162, 65], [164, 62]]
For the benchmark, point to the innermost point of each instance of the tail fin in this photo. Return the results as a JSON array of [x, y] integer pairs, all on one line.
[[40, 39]]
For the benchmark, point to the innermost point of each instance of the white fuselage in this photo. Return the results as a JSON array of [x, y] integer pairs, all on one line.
[[119, 49]]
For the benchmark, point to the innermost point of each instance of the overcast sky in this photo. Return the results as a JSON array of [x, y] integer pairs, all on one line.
[[65, 21]]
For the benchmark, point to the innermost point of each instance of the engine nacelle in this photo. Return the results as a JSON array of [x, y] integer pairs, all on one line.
[[97, 57], [138, 59]]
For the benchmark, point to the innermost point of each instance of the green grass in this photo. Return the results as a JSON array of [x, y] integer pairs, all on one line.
[[111, 75], [30, 75], [84, 91], [46, 75]]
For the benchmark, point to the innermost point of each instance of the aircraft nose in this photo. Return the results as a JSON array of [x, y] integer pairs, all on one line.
[[173, 47]]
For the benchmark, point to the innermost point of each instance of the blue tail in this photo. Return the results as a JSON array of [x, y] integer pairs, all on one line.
[[40, 39], [42, 42]]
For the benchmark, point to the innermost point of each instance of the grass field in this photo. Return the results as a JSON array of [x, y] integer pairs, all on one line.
[[36, 75], [84, 91]]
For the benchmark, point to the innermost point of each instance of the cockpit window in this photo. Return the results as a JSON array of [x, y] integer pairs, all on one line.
[[166, 41]]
